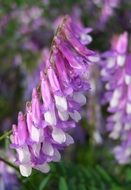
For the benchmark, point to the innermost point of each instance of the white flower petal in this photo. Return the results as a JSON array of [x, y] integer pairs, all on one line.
[[79, 97], [127, 126], [57, 156], [121, 60], [50, 117], [75, 116], [111, 62], [61, 103], [58, 135], [36, 149], [127, 79], [113, 102], [116, 131], [107, 86], [128, 108], [35, 134], [85, 39], [115, 98], [94, 58], [104, 73], [25, 170], [47, 149], [69, 139], [64, 116], [45, 168], [24, 154], [97, 137]]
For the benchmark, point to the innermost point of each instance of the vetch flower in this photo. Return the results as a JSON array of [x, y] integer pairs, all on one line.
[[116, 71], [56, 102], [107, 10]]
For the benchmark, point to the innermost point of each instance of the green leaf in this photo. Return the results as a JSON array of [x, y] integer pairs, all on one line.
[[44, 183], [104, 174], [115, 187], [5, 135], [72, 184], [62, 184], [81, 187], [128, 174]]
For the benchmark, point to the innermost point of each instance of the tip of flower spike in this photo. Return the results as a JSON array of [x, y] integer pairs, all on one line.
[[14, 130], [42, 75], [28, 106], [63, 20], [14, 127], [66, 17], [20, 116], [34, 93]]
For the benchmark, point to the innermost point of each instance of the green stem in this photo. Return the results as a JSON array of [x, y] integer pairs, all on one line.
[[6, 134], [9, 163]]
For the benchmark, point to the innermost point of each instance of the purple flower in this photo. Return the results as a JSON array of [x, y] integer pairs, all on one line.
[[8, 178], [108, 9], [117, 74], [56, 102]]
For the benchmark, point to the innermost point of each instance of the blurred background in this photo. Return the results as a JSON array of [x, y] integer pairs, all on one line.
[[26, 31]]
